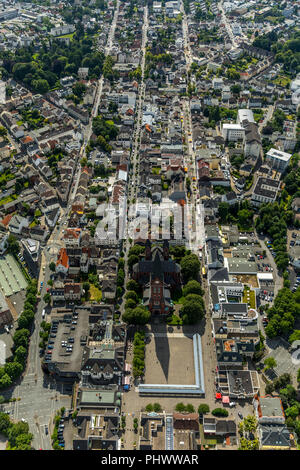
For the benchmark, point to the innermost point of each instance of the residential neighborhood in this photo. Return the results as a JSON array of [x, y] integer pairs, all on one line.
[[149, 225]]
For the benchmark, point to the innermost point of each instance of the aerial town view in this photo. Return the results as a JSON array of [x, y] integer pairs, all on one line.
[[149, 226]]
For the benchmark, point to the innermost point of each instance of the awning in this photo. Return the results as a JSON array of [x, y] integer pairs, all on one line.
[[225, 400], [126, 380], [218, 396]]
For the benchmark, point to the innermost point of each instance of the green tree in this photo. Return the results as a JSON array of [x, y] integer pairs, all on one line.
[[21, 338], [13, 245], [40, 86], [137, 316], [5, 381], [13, 369], [132, 260], [157, 408], [131, 294], [130, 304], [250, 423], [203, 409], [16, 430], [292, 411], [5, 424], [23, 441], [133, 286], [47, 298], [192, 309], [149, 408], [221, 412], [270, 363], [52, 266], [190, 266], [180, 407], [190, 408], [192, 287]]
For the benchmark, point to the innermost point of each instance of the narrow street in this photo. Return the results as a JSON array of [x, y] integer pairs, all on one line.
[[133, 180]]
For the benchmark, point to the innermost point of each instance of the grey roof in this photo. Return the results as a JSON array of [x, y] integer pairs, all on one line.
[[274, 435]]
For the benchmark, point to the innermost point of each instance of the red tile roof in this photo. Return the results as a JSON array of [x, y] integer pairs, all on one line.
[[6, 220], [63, 258]]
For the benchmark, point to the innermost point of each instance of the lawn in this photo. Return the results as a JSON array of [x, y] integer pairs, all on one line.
[[282, 80], [95, 293], [175, 320], [249, 297], [70, 35], [7, 199]]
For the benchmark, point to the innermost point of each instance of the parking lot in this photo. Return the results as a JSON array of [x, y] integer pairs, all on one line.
[[294, 278]]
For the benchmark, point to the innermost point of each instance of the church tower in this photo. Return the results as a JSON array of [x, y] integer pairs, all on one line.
[[148, 255], [166, 250]]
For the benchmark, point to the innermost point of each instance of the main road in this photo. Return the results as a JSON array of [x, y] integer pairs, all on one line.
[[133, 180]]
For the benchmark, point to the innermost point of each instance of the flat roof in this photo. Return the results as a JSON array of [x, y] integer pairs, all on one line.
[[265, 276], [271, 406], [97, 396], [279, 154], [244, 114], [237, 127]]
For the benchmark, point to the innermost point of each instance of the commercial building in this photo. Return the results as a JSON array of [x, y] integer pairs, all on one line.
[[265, 191], [279, 160]]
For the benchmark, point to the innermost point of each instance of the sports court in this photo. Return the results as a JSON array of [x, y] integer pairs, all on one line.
[[11, 277]]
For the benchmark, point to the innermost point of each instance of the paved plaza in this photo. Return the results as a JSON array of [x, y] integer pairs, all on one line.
[[169, 360]]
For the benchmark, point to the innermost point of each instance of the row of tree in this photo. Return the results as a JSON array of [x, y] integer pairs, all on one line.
[[282, 314], [14, 368], [138, 354]]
